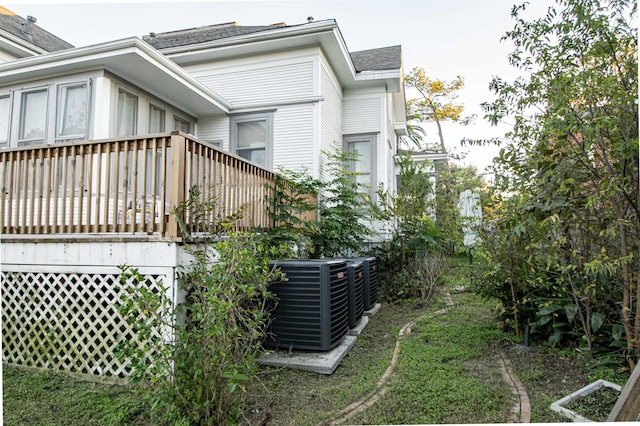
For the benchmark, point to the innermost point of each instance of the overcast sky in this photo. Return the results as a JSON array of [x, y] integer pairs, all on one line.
[[446, 37]]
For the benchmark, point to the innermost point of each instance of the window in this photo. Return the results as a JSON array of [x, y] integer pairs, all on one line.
[[72, 111], [126, 113], [33, 117], [364, 166], [5, 119], [156, 119], [181, 125], [251, 137]]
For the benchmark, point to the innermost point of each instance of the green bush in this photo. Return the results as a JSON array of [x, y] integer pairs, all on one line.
[[198, 374]]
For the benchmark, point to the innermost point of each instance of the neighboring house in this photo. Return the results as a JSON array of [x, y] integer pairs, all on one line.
[[90, 165], [20, 38]]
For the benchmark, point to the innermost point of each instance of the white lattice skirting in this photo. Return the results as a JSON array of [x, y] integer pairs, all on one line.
[[65, 317]]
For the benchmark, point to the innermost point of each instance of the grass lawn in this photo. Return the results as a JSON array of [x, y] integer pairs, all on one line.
[[447, 372]]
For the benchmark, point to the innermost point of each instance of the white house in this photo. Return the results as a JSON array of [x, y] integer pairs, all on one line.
[[97, 143]]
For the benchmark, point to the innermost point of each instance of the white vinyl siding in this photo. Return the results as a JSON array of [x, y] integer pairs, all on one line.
[[214, 129], [330, 115], [293, 137], [362, 115], [272, 84]]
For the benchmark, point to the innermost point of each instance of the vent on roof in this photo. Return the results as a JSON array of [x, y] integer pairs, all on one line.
[[312, 309], [27, 28], [279, 24]]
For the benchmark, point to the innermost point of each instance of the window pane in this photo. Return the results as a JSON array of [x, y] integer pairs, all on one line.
[[252, 134], [181, 125], [5, 109], [33, 115], [258, 156], [363, 164], [72, 107], [156, 119], [127, 115]]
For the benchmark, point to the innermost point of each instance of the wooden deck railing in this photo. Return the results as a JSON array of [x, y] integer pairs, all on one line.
[[129, 186]]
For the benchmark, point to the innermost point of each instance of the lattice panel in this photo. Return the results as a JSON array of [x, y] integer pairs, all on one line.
[[66, 322]]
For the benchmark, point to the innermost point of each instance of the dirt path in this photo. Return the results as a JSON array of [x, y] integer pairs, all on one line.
[[520, 412]]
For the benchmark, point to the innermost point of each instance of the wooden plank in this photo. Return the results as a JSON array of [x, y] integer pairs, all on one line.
[[71, 224], [41, 191], [81, 188], [32, 189], [627, 407], [107, 189], [56, 186], [177, 183]]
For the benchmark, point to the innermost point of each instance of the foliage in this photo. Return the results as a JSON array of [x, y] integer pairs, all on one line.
[[197, 368], [294, 194], [343, 212], [436, 102], [562, 249], [451, 183], [413, 232]]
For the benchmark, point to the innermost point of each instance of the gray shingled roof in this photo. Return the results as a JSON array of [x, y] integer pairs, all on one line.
[[203, 34], [384, 58], [14, 24]]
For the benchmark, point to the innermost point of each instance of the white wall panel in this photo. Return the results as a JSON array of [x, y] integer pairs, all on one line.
[[293, 137], [263, 84]]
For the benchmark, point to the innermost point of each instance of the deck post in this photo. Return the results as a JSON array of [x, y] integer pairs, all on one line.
[[177, 182]]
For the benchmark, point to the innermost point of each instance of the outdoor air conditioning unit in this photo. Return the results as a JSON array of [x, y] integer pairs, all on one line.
[[370, 269], [312, 310], [355, 290]]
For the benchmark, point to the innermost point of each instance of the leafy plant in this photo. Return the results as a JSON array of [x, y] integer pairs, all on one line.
[[566, 226], [195, 358]]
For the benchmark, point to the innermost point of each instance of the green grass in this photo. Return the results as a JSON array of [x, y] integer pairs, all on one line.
[[447, 372], [57, 399]]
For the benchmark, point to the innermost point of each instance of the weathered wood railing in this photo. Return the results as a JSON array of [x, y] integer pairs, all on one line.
[[129, 185]]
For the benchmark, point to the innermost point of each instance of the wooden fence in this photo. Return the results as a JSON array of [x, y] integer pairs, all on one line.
[[131, 185]]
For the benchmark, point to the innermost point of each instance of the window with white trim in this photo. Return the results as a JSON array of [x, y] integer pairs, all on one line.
[[252, 137], [365, 165], [126, 113], [181, 125], [156, 119], [72, 111], [5, 119], [32, 127]]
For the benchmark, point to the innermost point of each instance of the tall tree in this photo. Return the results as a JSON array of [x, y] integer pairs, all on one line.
[[437, 100], [572, 157]]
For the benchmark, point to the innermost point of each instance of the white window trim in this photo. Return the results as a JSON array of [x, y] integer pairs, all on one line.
[[116, 110], [58, 111], [150, 105], [9, 119], [373, 140], [234, 120], [18, 115]]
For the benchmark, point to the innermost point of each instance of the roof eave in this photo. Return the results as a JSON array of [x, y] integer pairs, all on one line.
[[273, 34], [109, 56], [20, 46]]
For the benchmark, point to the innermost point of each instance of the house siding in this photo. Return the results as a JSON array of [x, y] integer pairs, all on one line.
[[265, 79], [330, 115], [293, 137], [362, 114]]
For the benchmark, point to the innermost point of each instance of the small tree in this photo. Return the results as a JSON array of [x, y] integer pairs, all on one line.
[[572, 158], [436, 102]]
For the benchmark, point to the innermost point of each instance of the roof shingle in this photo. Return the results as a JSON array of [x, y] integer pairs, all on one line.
[[15, 25], [203, 34], [384, 58]]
